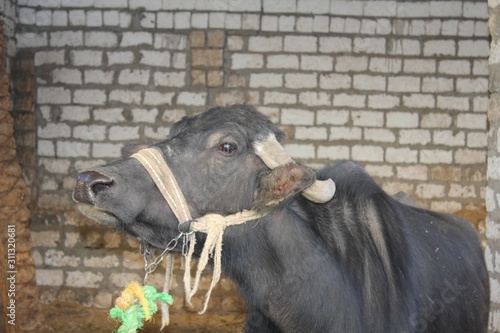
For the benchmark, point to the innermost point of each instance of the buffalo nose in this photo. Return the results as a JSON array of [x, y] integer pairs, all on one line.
[[88, 184]]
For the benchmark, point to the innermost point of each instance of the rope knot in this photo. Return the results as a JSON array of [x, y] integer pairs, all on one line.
[[213, 225]]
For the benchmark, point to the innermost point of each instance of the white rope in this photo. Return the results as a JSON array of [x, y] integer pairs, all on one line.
[[214, 225], [211, 224], [169, 272]]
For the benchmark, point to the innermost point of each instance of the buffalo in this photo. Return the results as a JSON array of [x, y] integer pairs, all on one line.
[[360, 261]]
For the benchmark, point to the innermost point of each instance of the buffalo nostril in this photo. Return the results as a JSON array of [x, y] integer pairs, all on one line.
[[98, 187], [89, 184]]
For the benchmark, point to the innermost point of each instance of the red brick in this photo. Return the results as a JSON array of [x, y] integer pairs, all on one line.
[[24, 85], [26, 66], [198, 78], [216, 38], [25, 121], [215, 78], [207, 58], [197, 38], [23, 103]]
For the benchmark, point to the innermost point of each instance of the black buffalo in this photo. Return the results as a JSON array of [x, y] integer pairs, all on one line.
[[361, 262]]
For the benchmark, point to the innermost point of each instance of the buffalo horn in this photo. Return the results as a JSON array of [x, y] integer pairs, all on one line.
[[274, 155]]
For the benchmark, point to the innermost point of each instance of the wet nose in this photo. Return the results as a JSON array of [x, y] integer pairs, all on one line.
[[89, 184]]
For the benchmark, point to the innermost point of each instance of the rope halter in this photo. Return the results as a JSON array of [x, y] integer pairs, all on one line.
[[213, 225]]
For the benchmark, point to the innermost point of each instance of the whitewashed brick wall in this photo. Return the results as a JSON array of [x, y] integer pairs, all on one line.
[[400, 87], [492, 251]]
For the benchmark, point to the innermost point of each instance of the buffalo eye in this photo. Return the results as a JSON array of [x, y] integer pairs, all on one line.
[[227, 148]]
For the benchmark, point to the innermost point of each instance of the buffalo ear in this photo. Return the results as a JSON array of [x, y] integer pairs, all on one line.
[[131, 149], [282, 183]]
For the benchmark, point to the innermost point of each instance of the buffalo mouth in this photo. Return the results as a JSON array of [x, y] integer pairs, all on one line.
[[97, 215]]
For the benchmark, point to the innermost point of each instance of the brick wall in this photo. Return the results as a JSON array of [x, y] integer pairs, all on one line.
[[401, 87], [493, 191]]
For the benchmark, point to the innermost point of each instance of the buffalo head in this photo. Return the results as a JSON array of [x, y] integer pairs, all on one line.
[[225, 160]]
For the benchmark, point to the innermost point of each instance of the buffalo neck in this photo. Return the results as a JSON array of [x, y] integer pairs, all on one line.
[[262, 251], [295, 242]]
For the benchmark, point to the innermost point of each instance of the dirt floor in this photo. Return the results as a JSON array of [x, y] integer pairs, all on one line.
[[62, 317]]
